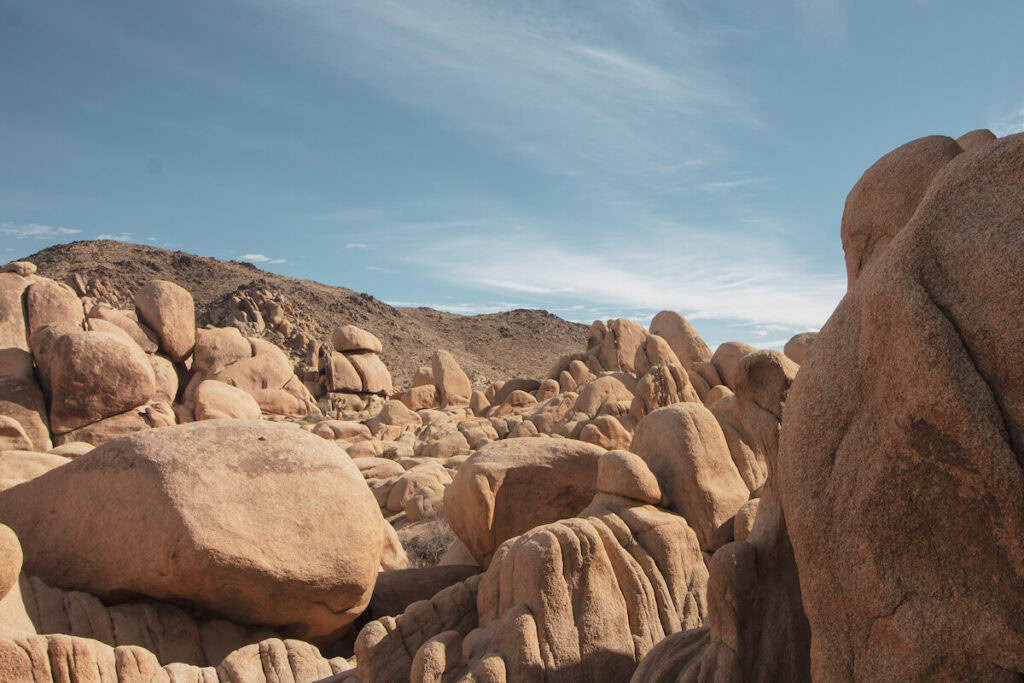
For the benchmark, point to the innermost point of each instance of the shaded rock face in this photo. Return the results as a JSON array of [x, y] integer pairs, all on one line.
[[205, 526], [903, 440]]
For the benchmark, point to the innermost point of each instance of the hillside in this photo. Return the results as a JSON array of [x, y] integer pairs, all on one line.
[[519, 343]]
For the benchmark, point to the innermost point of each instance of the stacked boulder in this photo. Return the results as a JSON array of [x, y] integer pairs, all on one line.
[[354, 365], [442, 384]]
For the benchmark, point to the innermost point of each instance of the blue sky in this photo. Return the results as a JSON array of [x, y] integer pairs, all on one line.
[[595, 159]]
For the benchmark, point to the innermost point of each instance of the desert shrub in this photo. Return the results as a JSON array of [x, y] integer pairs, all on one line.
[[425, 542]]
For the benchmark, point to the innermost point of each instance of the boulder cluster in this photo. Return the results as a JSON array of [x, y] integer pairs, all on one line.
[[176, 504]]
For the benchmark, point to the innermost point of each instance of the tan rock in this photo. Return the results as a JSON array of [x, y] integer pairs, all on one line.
[[373, 374], [72, 449], [607, 431], [799, 346], [745, 518], [218, 347], [422, 397], [903, 432], [424, 376], [653, 351], [13, 436], [546, 415], [618, 348], [15, 356], [218, 401], [478, 403], [165, 378], [565, 382], [681, 337], [394, 413], [170, 312], [685, 448], [709, 373], [48, 302], [513, 485], [515, 402], [235, 554], [342, 429], [622, 473], [140, 334], [727, 359], [352, 338], [886, 196], [24, 465], [976, 139], [546, 390], [602, 389], [716, 394], [451, 381], [22, 268], [90, 375], [135, 420]]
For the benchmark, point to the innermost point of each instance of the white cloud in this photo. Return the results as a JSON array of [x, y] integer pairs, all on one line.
[[120, 236], [581, 92], [151, 239], [703, 274], [254, 258], [725, 186], [381, 269], [35, 231], [460, 309], [277, 260], [357, 245], [1010, 125]]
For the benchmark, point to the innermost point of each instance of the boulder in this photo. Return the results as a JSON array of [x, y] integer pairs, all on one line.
[[886, 196], [218, 401], [689, 348], [451, 381], [685, 448], [352, 338], [653, 351], [15, 356], [602, 389], [18, 466], [420, 398], [903, 434], [165, 378], [23, 268], [89, 376], [799, 346], [218, 347], [207, 528], [975, 139], [511, 486], [727, 359], [48, 302], [13, 436], [340, 375], [619, 345], [373, 374], [149, 416], [140, 334], [170, 312]]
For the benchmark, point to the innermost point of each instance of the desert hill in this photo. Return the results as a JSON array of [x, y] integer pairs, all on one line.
[[519, 343]]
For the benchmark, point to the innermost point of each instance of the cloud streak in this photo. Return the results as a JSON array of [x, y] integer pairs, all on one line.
[[35, 231]]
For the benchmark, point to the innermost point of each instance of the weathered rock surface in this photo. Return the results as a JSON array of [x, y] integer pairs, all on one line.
[[511, 486], [904, 432], [170, 312], [206, 526]]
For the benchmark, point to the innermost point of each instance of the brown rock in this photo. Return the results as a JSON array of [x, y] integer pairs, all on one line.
[[165, 378], [422, 397], [799, 346], [13, 436], [15, 357], [218, 347], [451, 381], [218, 401], [217, 488], [478, 403], [681, 337], [727, 359], [341, 375], [653, 351], [608, 431], [904, 430], [602, 389], [48, 302], [372, 372], [685, 448], [546, 390], [19, 466], [22, 268], [170, 311], [618, 348], [352, 338], [510, 486], [90, 375], [886, 196], [622, 473], [140, 334]]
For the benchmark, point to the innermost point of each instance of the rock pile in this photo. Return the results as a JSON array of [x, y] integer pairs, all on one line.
[[651, 510]]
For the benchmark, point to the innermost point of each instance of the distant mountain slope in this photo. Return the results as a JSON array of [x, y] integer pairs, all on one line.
[[520, 343]]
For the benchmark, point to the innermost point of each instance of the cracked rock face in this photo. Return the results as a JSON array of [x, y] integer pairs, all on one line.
[[903, 440]]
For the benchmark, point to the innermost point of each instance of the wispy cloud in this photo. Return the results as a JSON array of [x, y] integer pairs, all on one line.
[[254, 258], [726, 185], [119, 236], [547, 82], [35, 231], [460, 309], [357, 245], [275, 261], [704, 274], [381, 269], [1009, 125], [824, 20]]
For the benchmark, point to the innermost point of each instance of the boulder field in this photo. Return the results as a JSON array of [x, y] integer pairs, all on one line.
[[189, 504]]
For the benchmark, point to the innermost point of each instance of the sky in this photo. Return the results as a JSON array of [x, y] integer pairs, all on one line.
[[594, 159]]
